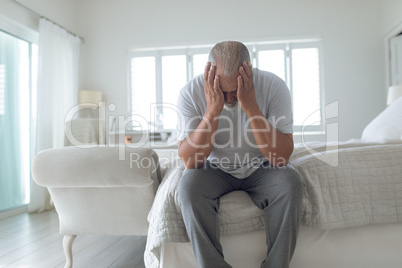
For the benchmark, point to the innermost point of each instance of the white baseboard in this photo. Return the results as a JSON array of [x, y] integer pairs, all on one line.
[[13, 212]]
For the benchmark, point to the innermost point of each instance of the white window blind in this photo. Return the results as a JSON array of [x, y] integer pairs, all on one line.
[[306, 85], [199, 62], [273, 61], [143, 85], [174, 77]]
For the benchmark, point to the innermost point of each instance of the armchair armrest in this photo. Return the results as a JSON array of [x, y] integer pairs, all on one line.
[[95, 166]]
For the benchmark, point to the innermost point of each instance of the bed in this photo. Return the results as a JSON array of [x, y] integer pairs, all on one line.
[[352, 212]]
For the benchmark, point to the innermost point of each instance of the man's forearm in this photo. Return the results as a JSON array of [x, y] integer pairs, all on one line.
[[273, 144], [195, 149]]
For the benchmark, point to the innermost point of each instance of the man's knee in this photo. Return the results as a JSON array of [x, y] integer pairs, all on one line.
[[188, 188], [291, 183]]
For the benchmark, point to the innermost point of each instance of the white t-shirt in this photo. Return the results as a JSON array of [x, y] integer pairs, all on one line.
[[235, 150]]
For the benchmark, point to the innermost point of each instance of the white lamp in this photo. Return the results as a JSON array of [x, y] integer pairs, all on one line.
[[394, 93], [89, 98], [93, 99]]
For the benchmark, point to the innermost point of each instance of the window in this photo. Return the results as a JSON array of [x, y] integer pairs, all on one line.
[[157, 76], [298, 63], [18, 66]]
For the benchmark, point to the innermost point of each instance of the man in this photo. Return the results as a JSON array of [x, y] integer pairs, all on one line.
[[235, 133]]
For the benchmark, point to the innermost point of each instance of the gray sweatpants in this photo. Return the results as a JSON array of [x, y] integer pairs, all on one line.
[[278, 191]]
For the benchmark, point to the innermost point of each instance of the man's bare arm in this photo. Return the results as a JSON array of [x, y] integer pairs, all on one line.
[[195, 149], [273, 144]]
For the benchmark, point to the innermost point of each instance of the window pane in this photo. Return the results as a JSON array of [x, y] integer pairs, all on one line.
[[199, 62], [306, 86], [143, 86], [174, 77], [272, 61]]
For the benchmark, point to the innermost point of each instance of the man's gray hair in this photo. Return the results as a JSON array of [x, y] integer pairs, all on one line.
[[230, 54]]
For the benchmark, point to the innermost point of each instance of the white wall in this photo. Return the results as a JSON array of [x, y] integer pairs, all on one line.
[[353, 34], [391, 12], [62, 12], [351, 30]]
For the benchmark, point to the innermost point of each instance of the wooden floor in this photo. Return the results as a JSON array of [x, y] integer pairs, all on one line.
[[33, 240]]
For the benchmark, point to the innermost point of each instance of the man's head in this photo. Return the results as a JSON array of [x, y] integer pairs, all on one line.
[[228, 56]]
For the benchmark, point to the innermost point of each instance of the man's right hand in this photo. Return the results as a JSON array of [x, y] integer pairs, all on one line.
[[213, 91]]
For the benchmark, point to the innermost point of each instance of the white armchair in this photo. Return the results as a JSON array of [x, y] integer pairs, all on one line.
[[99, 190]]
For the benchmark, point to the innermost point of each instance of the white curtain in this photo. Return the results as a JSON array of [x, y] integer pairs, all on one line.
[[57, 94]]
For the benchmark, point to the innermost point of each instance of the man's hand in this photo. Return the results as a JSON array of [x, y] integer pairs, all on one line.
[[213, 91], [245, 89]]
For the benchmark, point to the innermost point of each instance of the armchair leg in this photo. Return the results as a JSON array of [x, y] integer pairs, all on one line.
[[68, 241]]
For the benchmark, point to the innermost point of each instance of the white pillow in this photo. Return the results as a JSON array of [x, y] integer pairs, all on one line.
[[387, 126]]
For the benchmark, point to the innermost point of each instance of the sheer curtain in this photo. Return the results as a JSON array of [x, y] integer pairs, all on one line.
[[57, 93]]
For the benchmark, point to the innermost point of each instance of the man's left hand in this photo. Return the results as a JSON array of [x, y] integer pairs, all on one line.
[[245, 89]]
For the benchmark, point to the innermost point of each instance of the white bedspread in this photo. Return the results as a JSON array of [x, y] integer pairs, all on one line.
[[364, 187]]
